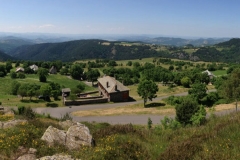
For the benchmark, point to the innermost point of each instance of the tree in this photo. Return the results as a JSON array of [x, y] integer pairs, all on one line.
[[186, 81], [76, 71], [45, 90], [3, 71], [186, 109], [129, 63], [42, 73], [198, 90], [231, 87], [22, 90], [33, 90], [13, 75], [147, 89], [14, 87], [8, 66], [92, 75]]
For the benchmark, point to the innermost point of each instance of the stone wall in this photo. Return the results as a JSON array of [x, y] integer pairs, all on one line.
[[86, 101]]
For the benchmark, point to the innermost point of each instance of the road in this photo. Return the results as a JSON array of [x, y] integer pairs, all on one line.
[[120, 119]]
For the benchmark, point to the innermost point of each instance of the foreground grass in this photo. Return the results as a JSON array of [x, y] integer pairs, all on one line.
[[217, 139]]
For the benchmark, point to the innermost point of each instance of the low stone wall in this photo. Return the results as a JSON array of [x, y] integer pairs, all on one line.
[[82, 98], [86, 101], [86, 93]]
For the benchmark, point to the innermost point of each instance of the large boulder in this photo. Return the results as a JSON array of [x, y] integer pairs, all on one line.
[[12, 123], [66, 124], [52, 135], [78, 135]]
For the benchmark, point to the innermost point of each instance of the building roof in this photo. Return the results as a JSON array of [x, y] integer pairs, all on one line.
[[53, 70], [209, 73], [112, 85], [66, 90], [34, 67], [20, 69]]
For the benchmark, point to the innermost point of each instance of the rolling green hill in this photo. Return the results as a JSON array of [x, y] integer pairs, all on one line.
[[5, 57], [84, 49], [228, 51], [10, 42]]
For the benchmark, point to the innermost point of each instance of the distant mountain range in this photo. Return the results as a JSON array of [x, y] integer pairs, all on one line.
[[49, 48], [182, 42]]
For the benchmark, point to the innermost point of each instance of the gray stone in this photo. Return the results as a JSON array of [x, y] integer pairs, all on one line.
[[52, 135], [27, 157], [66, 124], [77, 136], [30, 155], [32, 151], [12, 123], [57, 157]]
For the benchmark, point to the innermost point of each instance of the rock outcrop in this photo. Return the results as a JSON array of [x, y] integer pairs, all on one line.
[[53, 135], [30, 155], [57, 157], [12, 123], [76, 135]]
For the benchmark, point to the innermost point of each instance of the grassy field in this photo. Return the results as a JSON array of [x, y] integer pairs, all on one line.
[[11, 100], [220, 72]]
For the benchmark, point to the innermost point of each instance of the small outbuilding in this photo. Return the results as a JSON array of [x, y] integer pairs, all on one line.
[[20, 69], [66, 92], [112, 89], [53, 70]]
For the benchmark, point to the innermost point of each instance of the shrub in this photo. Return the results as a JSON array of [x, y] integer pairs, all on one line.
[[21, 75], [149, 123], [170, 123], [21, 110], [199, 118], [29, 113], [65, 117], [186, 109]]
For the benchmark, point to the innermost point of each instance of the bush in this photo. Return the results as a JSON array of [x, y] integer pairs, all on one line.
[[21, 110], [21, 75], [65, 117], [199, 118], [186, 109], [170, 123]]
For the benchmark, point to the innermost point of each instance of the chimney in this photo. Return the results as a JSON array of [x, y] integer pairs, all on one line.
[[107, 84]]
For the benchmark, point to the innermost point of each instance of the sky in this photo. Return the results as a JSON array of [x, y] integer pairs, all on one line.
[[186, 18]]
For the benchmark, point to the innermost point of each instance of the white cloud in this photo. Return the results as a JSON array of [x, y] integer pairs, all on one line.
[[46, 26]]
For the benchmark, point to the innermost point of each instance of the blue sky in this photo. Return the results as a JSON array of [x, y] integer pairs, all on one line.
[[193, 18]]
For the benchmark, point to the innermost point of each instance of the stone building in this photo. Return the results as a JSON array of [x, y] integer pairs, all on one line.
[[112, 89]]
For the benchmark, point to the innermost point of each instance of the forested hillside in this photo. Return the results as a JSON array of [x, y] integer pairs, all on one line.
[[5, 57], [83, 49], [228, 51], [9, 43]]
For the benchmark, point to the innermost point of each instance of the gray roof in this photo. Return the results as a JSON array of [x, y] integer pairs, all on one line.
[[112, 82], [66, 90], [209, 73]]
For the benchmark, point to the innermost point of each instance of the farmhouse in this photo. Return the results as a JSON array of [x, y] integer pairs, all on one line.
[[34, 67], [112, 89], [20, 69], [210, 74]]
